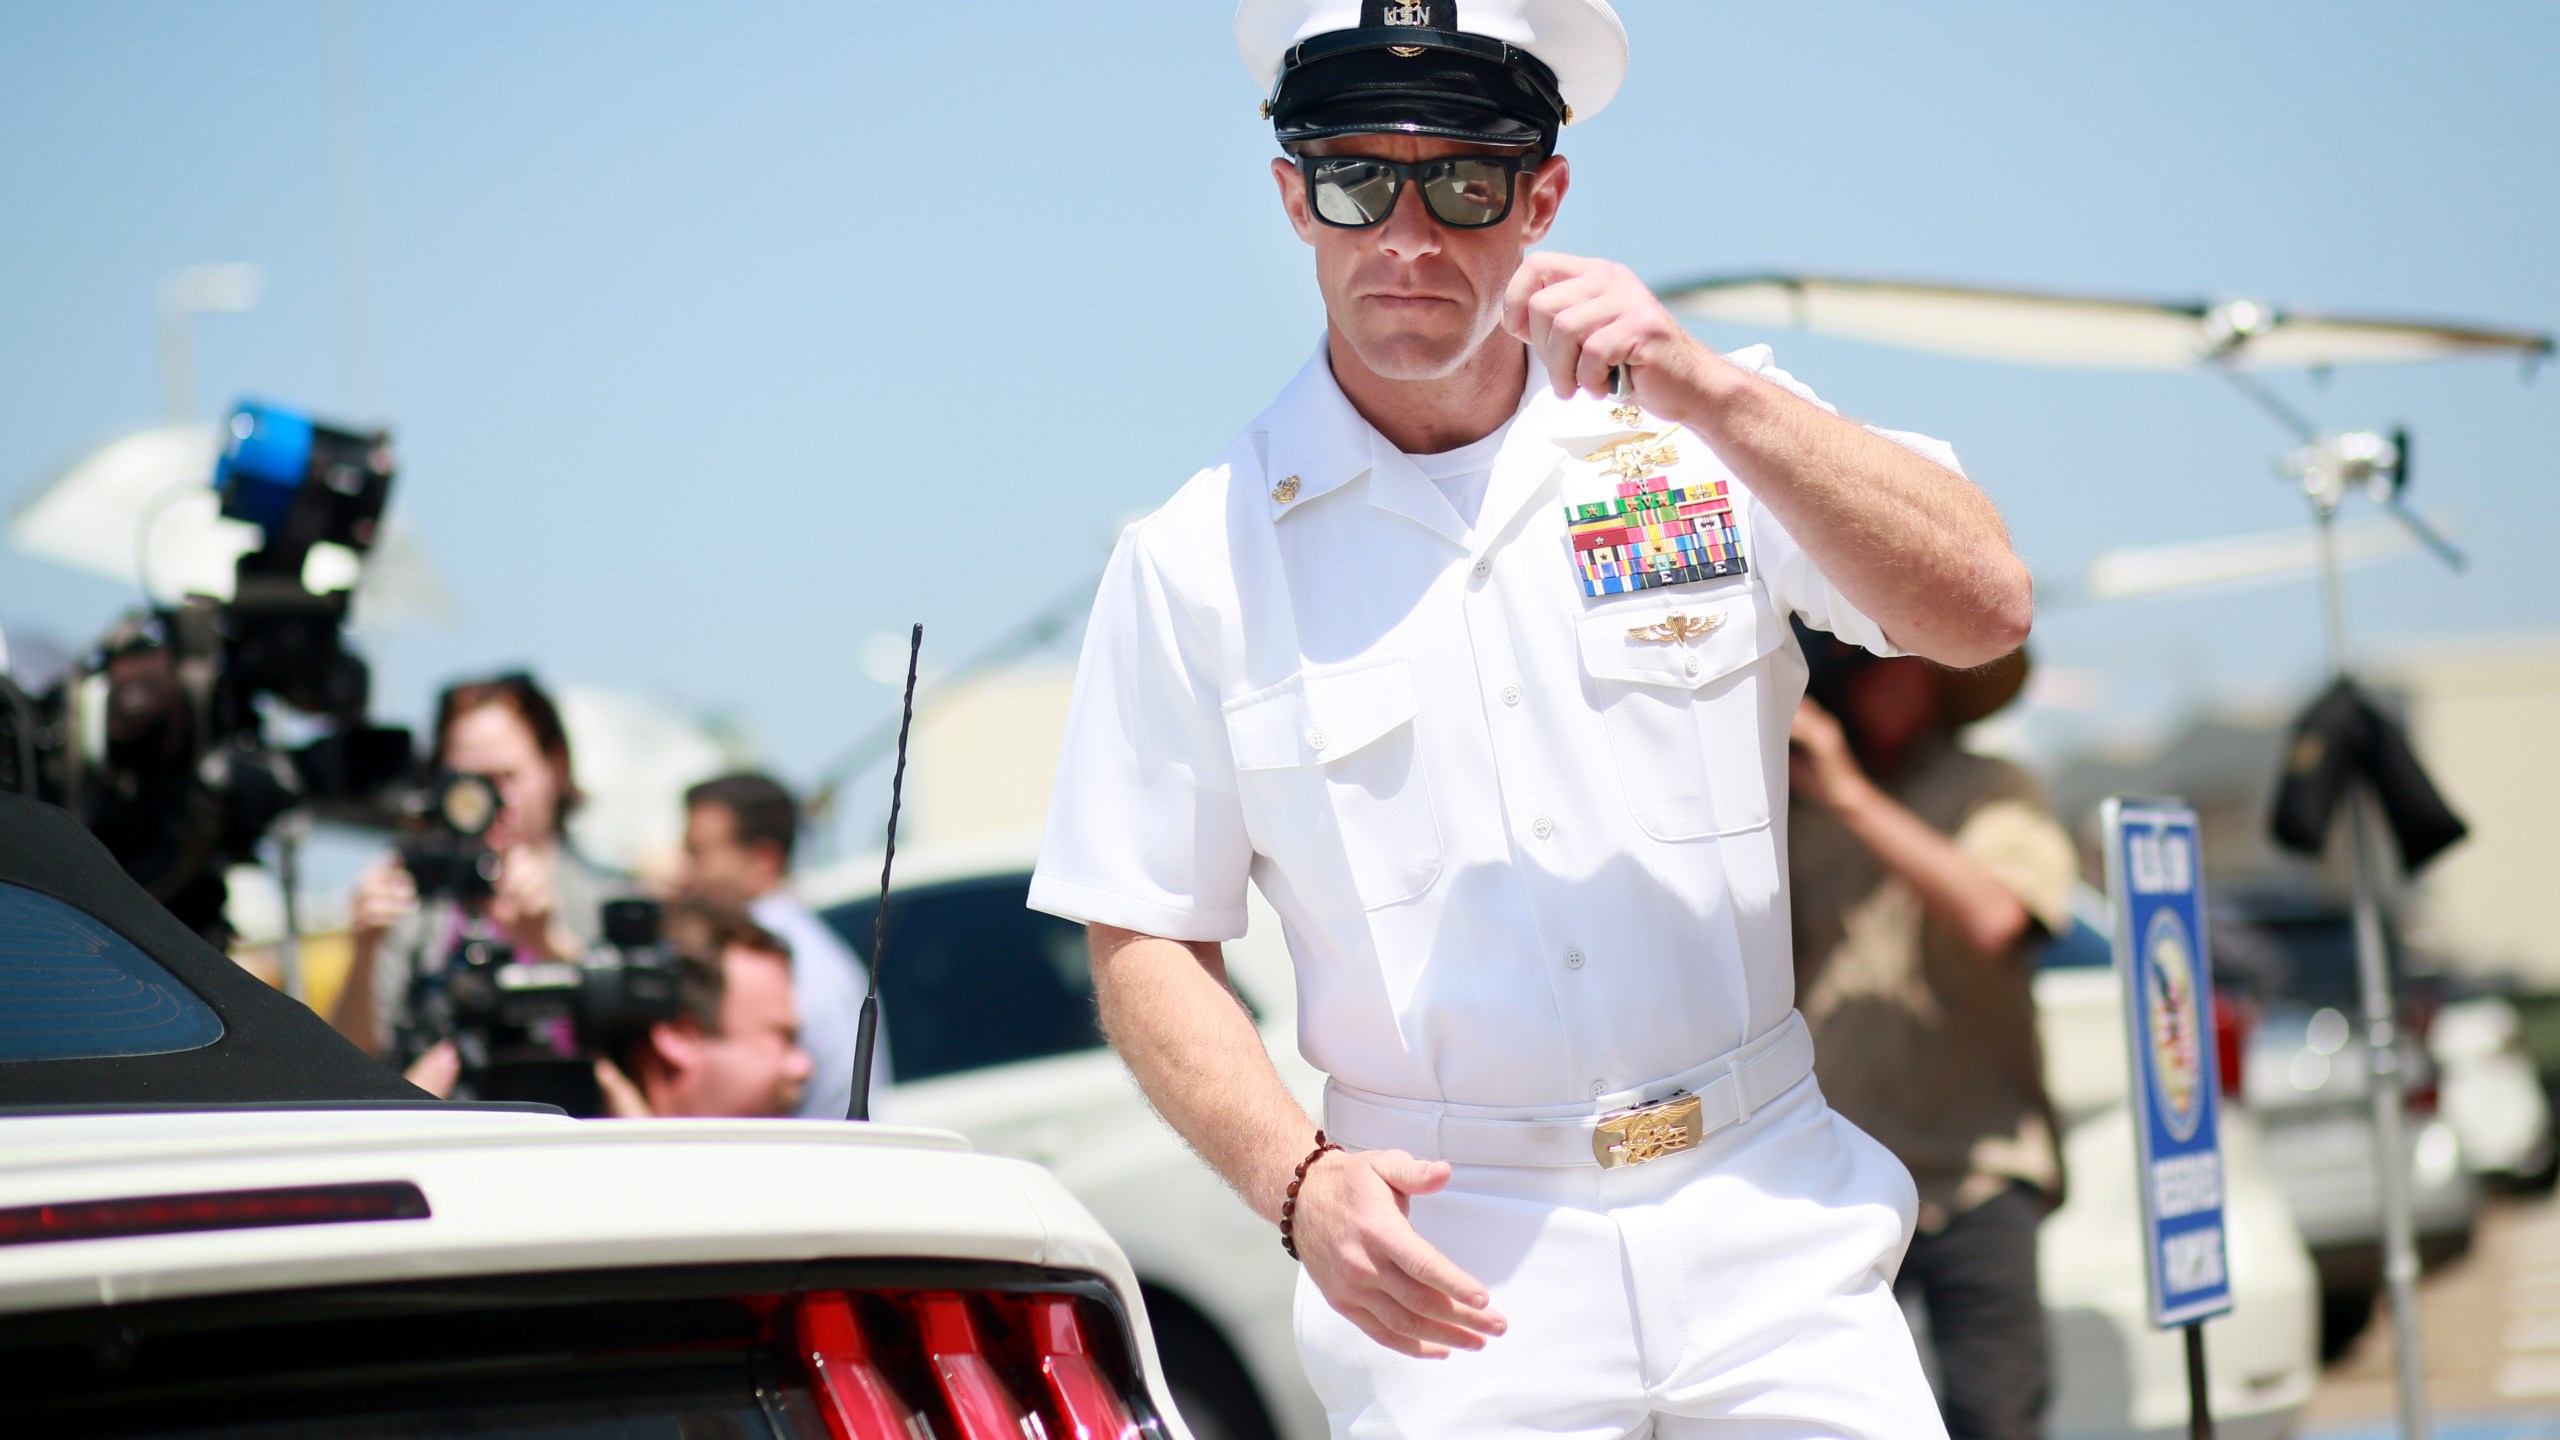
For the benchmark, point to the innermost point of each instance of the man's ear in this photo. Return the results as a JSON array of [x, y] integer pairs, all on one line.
[[678, 1043], [1545, 199], [1293, 198]]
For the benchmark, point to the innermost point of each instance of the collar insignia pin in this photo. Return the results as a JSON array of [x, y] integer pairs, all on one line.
[[1677, 628], [1286, 490]]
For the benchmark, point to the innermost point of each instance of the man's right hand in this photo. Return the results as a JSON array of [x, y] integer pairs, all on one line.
[[1364, 1255]]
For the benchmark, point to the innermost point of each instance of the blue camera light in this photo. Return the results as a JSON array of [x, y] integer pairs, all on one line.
[[266, 458]]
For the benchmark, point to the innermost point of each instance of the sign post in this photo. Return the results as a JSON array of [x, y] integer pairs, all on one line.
[[2155, 891]]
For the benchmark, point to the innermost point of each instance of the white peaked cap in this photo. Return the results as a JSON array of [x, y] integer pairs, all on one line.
[[1582, 41]]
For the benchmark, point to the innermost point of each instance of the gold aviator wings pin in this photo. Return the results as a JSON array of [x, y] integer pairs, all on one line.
[[1677, 628]]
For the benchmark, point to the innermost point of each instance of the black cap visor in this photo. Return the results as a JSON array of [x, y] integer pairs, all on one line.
[[1438, 93]]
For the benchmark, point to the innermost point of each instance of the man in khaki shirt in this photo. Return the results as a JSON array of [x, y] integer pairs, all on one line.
[[1924, 878]]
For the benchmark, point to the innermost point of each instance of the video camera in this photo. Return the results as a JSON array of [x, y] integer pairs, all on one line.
[[532, 1029], [157, 740], [444, 837]]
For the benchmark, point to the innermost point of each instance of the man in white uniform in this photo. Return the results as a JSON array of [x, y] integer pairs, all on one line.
[[1486, 682]]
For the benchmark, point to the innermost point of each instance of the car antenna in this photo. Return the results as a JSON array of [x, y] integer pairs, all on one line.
[[866, 1031]]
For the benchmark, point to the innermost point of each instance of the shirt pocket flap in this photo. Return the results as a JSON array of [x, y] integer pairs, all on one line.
[[1686, 644], [1310, 719]]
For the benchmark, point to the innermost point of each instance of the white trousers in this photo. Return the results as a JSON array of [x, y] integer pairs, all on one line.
[[1742, 1290]]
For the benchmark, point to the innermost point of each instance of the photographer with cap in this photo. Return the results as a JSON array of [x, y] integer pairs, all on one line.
[[545, 901], [1926, 879], [1485, 682]]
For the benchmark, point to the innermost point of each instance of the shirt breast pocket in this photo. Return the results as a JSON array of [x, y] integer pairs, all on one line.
[[1330, 776], [1680, 684]]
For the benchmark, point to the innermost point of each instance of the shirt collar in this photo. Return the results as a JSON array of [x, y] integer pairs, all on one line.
[[1316, 442]]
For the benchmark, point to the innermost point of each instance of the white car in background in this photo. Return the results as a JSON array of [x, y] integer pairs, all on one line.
[[2490, 1094], [989, 1008]]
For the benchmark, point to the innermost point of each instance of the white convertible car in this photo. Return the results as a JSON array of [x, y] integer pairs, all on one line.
[[218, 1219], [989, 1008]]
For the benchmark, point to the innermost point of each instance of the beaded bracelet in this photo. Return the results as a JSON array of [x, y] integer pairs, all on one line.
[[1289, 1204]]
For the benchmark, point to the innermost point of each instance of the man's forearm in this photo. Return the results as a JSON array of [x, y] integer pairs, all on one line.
[[1955, 891], [1914, 545], [1195, 1052]]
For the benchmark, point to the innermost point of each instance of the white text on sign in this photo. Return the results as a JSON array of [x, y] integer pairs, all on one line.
[[2193, 1260], [2163, 862], [2186, 1185]]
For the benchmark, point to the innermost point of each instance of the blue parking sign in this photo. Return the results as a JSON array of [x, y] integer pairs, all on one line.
[[2155, 889]]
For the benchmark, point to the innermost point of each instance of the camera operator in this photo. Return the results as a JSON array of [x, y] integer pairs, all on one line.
[[732, 1048], [738, 835], [544, 900]]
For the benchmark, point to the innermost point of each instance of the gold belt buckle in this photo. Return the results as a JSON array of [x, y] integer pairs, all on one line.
[[1647, 1132]]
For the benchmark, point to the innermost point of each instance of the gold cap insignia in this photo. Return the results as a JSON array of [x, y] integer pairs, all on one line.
[[1286, 490], [1677, 628]]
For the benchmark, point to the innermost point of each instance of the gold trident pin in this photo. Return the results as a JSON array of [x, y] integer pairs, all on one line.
[[1677, 628], [1638, 456]]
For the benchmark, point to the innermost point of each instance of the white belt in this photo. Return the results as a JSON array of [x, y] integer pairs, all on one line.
[[1692, 1105]]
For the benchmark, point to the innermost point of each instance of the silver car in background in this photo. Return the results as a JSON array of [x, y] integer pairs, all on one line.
[[2307, 1078]]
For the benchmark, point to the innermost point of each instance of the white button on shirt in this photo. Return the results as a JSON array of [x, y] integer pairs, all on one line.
[[1290, 692]]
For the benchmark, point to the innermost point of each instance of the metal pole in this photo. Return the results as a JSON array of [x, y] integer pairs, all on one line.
[[177, 360], [351, 201], [2199, 1406], [2390, 1122], [2382, 1039], [289, 875]]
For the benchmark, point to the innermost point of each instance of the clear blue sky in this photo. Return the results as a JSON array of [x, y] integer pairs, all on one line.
[[720, 338]]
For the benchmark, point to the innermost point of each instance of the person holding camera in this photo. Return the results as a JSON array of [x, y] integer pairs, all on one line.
[[732, 1048], [532, 892]]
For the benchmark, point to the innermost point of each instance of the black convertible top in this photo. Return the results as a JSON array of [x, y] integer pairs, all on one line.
[[269, 1050]]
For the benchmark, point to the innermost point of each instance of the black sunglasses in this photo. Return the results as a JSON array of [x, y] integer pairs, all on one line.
[[1463, 192]]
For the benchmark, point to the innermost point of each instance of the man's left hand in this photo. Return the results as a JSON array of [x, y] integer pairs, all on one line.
[[1819, 761], [1583, 316]]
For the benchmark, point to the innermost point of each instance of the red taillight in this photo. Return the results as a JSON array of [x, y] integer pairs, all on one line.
[[2233, 1018], [980, 1405], [852, 1393], [2422, 1098], [1008, 1365], [1076, 1385], [212, 1210]]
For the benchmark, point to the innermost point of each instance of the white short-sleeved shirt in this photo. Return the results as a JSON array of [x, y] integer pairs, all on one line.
[[1522, 856]]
